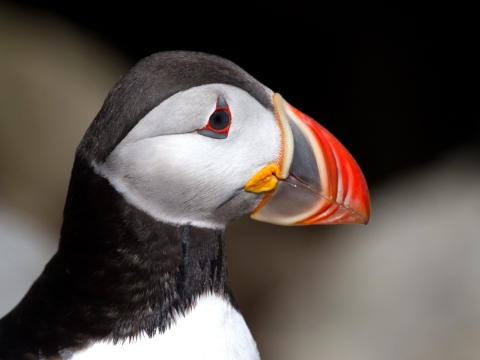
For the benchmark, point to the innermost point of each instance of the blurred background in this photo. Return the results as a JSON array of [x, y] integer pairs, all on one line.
[[396, 83]]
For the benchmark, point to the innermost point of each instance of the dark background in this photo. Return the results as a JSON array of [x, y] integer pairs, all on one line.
[[397, 83]]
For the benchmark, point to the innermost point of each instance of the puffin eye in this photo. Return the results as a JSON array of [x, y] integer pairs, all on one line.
[[219, 122]]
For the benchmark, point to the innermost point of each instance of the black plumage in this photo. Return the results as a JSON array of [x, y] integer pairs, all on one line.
[[117, 272]]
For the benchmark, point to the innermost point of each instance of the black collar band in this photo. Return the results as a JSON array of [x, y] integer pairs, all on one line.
[[117, 273]]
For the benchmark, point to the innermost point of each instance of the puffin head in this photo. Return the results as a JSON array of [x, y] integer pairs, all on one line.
[[191, 138]]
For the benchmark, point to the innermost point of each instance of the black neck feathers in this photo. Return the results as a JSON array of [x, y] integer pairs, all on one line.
[[117, 273]]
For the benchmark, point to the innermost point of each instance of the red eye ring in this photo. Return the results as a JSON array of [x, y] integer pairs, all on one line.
[[219, 122]]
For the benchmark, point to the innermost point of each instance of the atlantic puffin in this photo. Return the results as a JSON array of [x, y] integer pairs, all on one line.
[[185, 143]]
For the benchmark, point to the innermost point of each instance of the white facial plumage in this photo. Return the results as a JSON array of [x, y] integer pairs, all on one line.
[[167, 169]]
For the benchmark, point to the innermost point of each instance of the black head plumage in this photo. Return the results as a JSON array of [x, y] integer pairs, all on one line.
[[153, 80]]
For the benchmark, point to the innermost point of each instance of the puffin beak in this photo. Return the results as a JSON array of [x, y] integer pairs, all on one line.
[[315, 180]]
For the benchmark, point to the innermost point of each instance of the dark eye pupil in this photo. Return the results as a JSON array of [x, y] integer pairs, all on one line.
[[219, 120]]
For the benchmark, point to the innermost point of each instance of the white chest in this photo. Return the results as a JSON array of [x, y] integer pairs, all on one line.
[[212, 330]]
